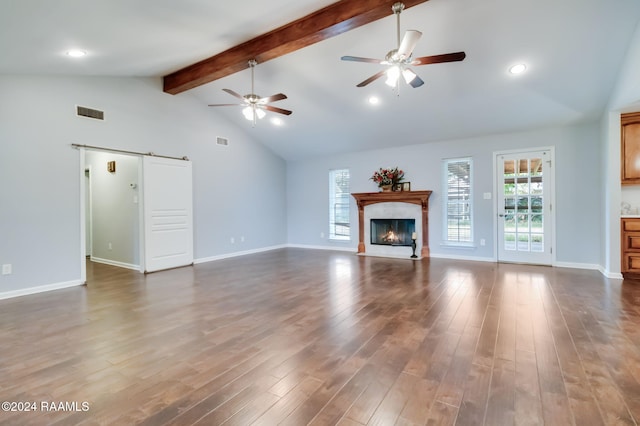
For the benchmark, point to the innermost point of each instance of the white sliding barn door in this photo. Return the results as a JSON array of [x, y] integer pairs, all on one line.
[[168, 213]]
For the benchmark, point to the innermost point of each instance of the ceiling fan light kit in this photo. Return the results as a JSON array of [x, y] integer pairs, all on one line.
[[254, 105], [251, 112], [398, 60]]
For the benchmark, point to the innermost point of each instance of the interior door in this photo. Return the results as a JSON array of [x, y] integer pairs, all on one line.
[[524, 194], [168, 213]]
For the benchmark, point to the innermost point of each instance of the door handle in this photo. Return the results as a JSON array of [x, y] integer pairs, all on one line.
[[501, 214]]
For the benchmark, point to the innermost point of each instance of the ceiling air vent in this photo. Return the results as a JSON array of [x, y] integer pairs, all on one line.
[[222, 141], [89, 113]]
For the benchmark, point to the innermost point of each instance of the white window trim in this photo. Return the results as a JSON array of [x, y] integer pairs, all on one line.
[[445, 232], [331, 236]]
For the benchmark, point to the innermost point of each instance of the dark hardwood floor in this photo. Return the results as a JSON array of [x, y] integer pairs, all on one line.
[[300, 337]]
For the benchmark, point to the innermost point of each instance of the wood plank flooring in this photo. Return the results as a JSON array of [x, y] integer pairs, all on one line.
[[298, 337]]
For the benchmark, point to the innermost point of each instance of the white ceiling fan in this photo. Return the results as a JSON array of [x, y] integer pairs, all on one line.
[[253, 104], [398, 60]]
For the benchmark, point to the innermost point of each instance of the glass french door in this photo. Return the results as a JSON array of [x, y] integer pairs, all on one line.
[[525, 186]]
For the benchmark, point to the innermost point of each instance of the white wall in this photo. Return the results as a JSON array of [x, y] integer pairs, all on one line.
[[578, 177], [40, 171], [627, 90]]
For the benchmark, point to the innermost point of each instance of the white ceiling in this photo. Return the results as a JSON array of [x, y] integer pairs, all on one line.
[[573, 49]]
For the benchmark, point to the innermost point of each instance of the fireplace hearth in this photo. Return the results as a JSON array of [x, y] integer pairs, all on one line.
[[392, 232]]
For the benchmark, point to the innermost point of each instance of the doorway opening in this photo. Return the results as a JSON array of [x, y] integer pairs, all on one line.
[[112, 209]]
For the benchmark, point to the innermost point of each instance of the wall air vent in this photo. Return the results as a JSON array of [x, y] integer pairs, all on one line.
[[222, 141], [89, 113]]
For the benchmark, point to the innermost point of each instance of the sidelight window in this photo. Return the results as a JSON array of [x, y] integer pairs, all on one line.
[[339, 199], [458, 206]]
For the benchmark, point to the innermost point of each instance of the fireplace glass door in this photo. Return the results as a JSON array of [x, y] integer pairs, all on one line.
[[392, 232]]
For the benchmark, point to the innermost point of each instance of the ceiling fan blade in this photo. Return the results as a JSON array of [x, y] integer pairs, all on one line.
[[408, 43], [416, 82], [232, 93], [276, 109], [226, 105], [436, 59], [272, 98], [372, 78], [358, 59]]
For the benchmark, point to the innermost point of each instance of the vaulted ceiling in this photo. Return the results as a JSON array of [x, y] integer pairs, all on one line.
[[573, 50]]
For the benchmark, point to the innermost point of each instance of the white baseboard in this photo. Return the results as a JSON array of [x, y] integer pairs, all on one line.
[[590, 266], [263, 249], [115, 263], [609, 274], [39, 289], [334, 248], [458, 257], [237, 253], [578, 265]]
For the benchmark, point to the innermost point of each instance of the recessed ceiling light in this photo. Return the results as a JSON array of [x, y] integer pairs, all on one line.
[[374, 100], [76, 53], [518, 69], [277, 121]]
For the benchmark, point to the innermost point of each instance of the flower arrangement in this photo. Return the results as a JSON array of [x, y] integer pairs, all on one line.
[[389, 176]]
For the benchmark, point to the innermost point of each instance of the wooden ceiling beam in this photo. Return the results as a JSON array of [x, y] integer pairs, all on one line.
[[322, 24]]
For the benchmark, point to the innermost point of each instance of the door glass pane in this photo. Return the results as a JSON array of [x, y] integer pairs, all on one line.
[[509, 223], [536, 223], [536, 186], [523, 186], [509, 241], [523, 242], [536, 204], [509, 204], [523, 167], [536, 167], [509, 168], [523, 204], [509, 187], [537, 243], [523, 223]]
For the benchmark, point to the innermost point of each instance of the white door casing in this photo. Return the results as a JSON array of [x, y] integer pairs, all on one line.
[[525, 187]]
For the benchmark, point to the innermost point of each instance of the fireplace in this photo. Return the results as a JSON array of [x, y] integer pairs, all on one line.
[[388, 203], [392, 232]]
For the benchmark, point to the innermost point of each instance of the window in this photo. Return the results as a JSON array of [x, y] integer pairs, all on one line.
[[339, 199], [458, 211]]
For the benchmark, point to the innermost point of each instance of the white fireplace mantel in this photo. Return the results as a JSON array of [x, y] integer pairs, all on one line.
[[413, 197]]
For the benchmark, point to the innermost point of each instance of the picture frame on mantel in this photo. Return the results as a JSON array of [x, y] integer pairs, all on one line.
[[397, 187], [406, 186]]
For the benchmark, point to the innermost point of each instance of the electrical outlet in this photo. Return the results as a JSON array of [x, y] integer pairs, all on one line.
[[322, 235], [482, 242], [7, 269], [110, 247], [233, 240], [242, 239]]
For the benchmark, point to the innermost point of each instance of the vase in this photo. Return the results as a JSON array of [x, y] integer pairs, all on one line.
[[386, 188]]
